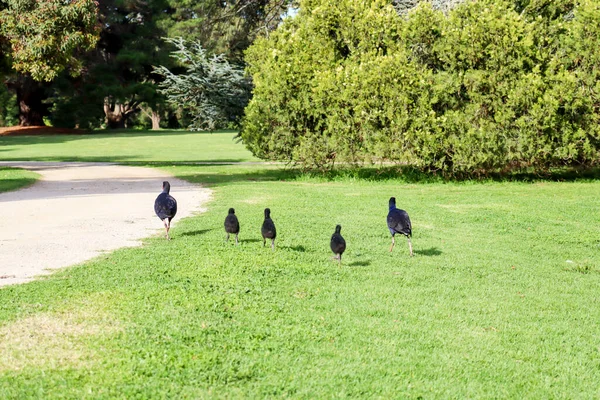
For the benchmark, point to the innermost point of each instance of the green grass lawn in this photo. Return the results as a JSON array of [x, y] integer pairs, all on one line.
[[15, 178], [127, 147], [500, 301]]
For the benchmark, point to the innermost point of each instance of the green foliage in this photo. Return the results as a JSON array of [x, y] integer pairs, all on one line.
[[9, 113], [296, 69], [213, 91], [46, 36], [489, 86], [223, 27], [75, 103]]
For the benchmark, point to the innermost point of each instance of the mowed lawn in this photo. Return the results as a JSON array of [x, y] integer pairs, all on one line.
[[501, 299], [128, 146], [15, 178]]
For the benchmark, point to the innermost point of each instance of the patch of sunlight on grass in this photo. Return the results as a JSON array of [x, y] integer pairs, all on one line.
[[16, 178], [54, 340]]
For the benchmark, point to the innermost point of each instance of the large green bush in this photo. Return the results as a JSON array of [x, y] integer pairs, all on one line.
[[491, 85]]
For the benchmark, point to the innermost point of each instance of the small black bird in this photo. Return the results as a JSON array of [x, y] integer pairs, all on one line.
[[338, 244], [268, 229], [165, 207], [232, 225], [399, 222]]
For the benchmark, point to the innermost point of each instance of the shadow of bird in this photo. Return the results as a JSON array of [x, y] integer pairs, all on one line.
[[165, 207], [338, 244], [399, 222], [232, 225], [268, 230], [433, 251]]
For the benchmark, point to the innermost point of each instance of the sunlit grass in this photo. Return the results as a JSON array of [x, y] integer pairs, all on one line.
[[500, 300], [15, 178], [131, 147]]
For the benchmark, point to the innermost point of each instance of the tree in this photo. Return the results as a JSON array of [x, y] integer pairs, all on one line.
[[130, 44], [118, 83], [40, 39], [488, 86], [224, 27], [404, 6], [211, 90]]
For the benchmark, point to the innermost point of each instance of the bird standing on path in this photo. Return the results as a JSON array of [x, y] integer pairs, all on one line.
[[232, 225], [268, 230], [165, 207], [338, 244], [399, 222]]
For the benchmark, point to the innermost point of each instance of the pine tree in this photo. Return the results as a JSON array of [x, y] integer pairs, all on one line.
[[212, 91]]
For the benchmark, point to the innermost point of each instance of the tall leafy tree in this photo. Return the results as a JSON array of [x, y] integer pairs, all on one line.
[[38, 40], [130, 44], [119, 82], [224, 27]]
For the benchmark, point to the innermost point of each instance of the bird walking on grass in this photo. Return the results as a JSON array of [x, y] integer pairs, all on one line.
[[338, 244], [232, 225], [165, 207], [399, 222], [268, 230]]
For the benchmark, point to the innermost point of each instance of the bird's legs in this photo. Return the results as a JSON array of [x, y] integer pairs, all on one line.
[[236, 239], [264, 242], [167, 224], [393, 243], [227, 238], [272, 244], [410, 246]]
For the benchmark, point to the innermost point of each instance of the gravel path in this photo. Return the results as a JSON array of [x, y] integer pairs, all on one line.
[[76, 211]]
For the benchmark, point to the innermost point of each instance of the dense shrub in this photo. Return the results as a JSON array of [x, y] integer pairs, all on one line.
[[490, 85]]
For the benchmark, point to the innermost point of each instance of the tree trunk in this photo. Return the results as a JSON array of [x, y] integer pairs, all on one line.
[[115, 118], [118, 114], [155, 117], [30, 96]]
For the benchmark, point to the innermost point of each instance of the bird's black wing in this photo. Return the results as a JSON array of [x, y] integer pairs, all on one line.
[[398, 221], [268, 230], [232, 224], [338, 244], [172, 204], [165, 206]]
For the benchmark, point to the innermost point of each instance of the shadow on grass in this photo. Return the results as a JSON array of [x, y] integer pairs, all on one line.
[[298, 248], [24, 138], [408, 175], [431, 252], [361, 263], [128, 159], [196, 232]]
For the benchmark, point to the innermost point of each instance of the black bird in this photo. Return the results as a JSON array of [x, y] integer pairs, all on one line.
[[399, 222], [338, 244], [232, 225], [268, 229], [165, 207]]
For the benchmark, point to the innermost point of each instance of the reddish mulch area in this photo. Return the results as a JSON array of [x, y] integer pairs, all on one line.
[[39, 130]]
